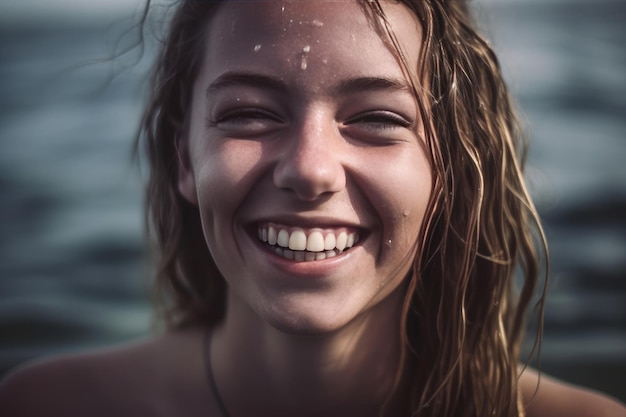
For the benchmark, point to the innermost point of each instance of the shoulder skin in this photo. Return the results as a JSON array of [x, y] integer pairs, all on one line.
[[159, 377], [547, 397]]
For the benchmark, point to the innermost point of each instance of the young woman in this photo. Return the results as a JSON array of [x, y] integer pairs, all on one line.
[[337, 194]]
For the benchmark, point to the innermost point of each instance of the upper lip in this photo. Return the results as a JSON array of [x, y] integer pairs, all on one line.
[[306, 222]]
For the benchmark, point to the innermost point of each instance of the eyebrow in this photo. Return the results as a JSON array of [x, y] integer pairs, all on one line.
[[268, 82], [356, 85], [234, 79]]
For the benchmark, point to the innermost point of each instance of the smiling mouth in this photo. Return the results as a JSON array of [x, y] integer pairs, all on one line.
[[306, 245]]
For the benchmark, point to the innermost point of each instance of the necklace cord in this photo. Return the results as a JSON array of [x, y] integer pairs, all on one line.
[[210, 376]]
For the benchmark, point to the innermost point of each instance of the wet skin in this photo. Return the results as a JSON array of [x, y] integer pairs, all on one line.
[[299, 124], [302, 120]]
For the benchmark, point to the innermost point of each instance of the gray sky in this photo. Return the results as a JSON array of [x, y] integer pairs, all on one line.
[[65, 9]]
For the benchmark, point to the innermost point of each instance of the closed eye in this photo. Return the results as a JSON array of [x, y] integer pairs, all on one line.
[[379, 120], [246, 120], [379, 128]]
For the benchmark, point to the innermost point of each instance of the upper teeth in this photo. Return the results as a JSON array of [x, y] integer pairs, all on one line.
[[318, 240]]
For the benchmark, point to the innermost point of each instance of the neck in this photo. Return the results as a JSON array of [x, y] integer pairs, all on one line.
[[260, 370]]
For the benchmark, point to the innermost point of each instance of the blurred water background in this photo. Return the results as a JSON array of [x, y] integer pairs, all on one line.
[[72, 264]]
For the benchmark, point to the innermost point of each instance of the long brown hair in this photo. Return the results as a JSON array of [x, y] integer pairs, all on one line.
[[463, 316]]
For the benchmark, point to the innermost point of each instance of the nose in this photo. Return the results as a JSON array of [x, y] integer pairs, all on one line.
[[310, 162]]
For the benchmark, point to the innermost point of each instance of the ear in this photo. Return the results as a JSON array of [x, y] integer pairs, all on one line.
[[186, 178]]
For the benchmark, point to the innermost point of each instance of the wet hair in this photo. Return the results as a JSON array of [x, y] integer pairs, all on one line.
[[463, 315]]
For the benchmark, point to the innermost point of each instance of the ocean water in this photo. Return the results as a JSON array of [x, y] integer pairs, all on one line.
[[566, 63], [72, 268]]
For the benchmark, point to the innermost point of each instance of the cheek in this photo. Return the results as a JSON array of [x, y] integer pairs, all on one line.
[[225, 175], [408, 216], [403, 183], [406, 189], [225, 169]]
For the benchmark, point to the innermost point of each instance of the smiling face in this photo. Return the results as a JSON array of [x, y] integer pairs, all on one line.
[[305, 159]]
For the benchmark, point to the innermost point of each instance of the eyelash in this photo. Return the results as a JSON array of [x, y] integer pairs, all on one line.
[[371, 126], [380, 120], [244, 117]]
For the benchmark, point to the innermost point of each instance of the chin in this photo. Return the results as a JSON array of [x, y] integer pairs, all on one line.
[[302, 328], [309, 320]]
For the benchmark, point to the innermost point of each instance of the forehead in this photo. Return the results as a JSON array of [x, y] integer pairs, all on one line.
[[303, 35]]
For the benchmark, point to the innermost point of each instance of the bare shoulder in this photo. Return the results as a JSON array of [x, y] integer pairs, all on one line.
[[117, 381], [545, 396]]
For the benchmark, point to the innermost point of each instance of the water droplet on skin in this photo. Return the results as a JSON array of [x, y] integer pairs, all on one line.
[[317, 23], [257, 48], [324, 61], [303, 59]]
